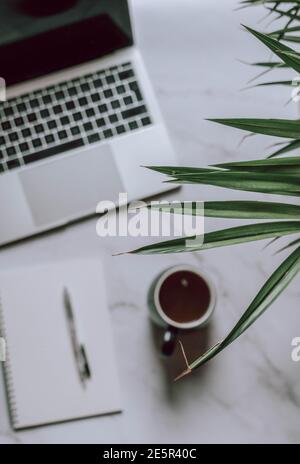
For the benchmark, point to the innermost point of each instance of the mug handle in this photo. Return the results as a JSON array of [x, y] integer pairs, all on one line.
[[169, 341]]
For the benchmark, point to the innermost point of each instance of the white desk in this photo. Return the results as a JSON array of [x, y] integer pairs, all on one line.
[[251, 392]]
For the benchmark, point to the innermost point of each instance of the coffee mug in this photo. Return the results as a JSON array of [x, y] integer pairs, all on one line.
[[181, 298]]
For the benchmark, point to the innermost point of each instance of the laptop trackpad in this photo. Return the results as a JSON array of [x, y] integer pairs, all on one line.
[[72, 186]]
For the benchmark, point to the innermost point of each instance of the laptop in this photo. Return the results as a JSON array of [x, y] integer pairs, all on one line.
[[80, 116]]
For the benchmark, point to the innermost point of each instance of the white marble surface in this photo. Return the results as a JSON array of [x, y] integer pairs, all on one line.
[[251, 392]]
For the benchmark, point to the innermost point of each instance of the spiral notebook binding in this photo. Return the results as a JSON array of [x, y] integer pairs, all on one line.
[[8, 373]]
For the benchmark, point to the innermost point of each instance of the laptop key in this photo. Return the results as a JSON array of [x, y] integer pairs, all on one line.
[[45, 113], [108, 93], [52, 124], [49, 138], [59, 95], [115, 104], [82, 101], [57, 109], [134, 85], [77, 116], [72, 91], [26, 132], [127, 100], [135, 88], [8, 111], [39, 128], [93, 138], [13, 136], [64, 120], [133, 125], [135, 111], [90, 112], [107, 133], [21, 107], [120, 129], [19, 121], [95, 97], [126, 74], [70, 105], [31, 117], [62, 134], [6, 125], [39, 155], [98, 83], [100, 122], [138, 95], [46, 99], [75, 130], [88, 126], [11, 151], [36, 143], [12, 164], [85, 87], [121, 89], [146, 121], [110, 79], [34, 103], [24, 146], [103, 108], [113, 118]]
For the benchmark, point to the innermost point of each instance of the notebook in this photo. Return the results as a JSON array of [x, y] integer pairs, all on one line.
[[42, 378]]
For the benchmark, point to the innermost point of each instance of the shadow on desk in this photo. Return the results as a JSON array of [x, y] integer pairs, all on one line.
[[195, 343]]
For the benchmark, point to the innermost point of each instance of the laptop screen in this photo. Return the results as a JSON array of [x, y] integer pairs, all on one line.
[[38, 37]]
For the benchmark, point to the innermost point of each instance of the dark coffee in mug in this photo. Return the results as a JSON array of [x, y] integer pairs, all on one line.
[[181, 298], [184, 296]]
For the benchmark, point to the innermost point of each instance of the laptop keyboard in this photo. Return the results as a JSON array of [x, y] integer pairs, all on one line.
[[69, 115]]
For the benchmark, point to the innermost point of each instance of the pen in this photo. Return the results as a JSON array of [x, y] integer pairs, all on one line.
[[78, 348]]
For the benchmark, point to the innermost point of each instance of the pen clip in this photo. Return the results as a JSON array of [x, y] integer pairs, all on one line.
[[86, 368]]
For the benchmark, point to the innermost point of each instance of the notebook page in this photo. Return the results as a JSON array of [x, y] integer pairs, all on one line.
[[42, 375]]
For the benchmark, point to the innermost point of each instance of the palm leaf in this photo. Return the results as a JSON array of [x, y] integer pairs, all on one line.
[[293, 161], [246, 181], [179, 170], [269, 64], [266, 2], [289, 245], [271, 176], [288, 55], [234, 209], [287, 166], [270, 84], [275, 285], [285, 128], [292, 13], [224, 237], [286, 38], [293, 145], [253, 165], [287, 30]]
